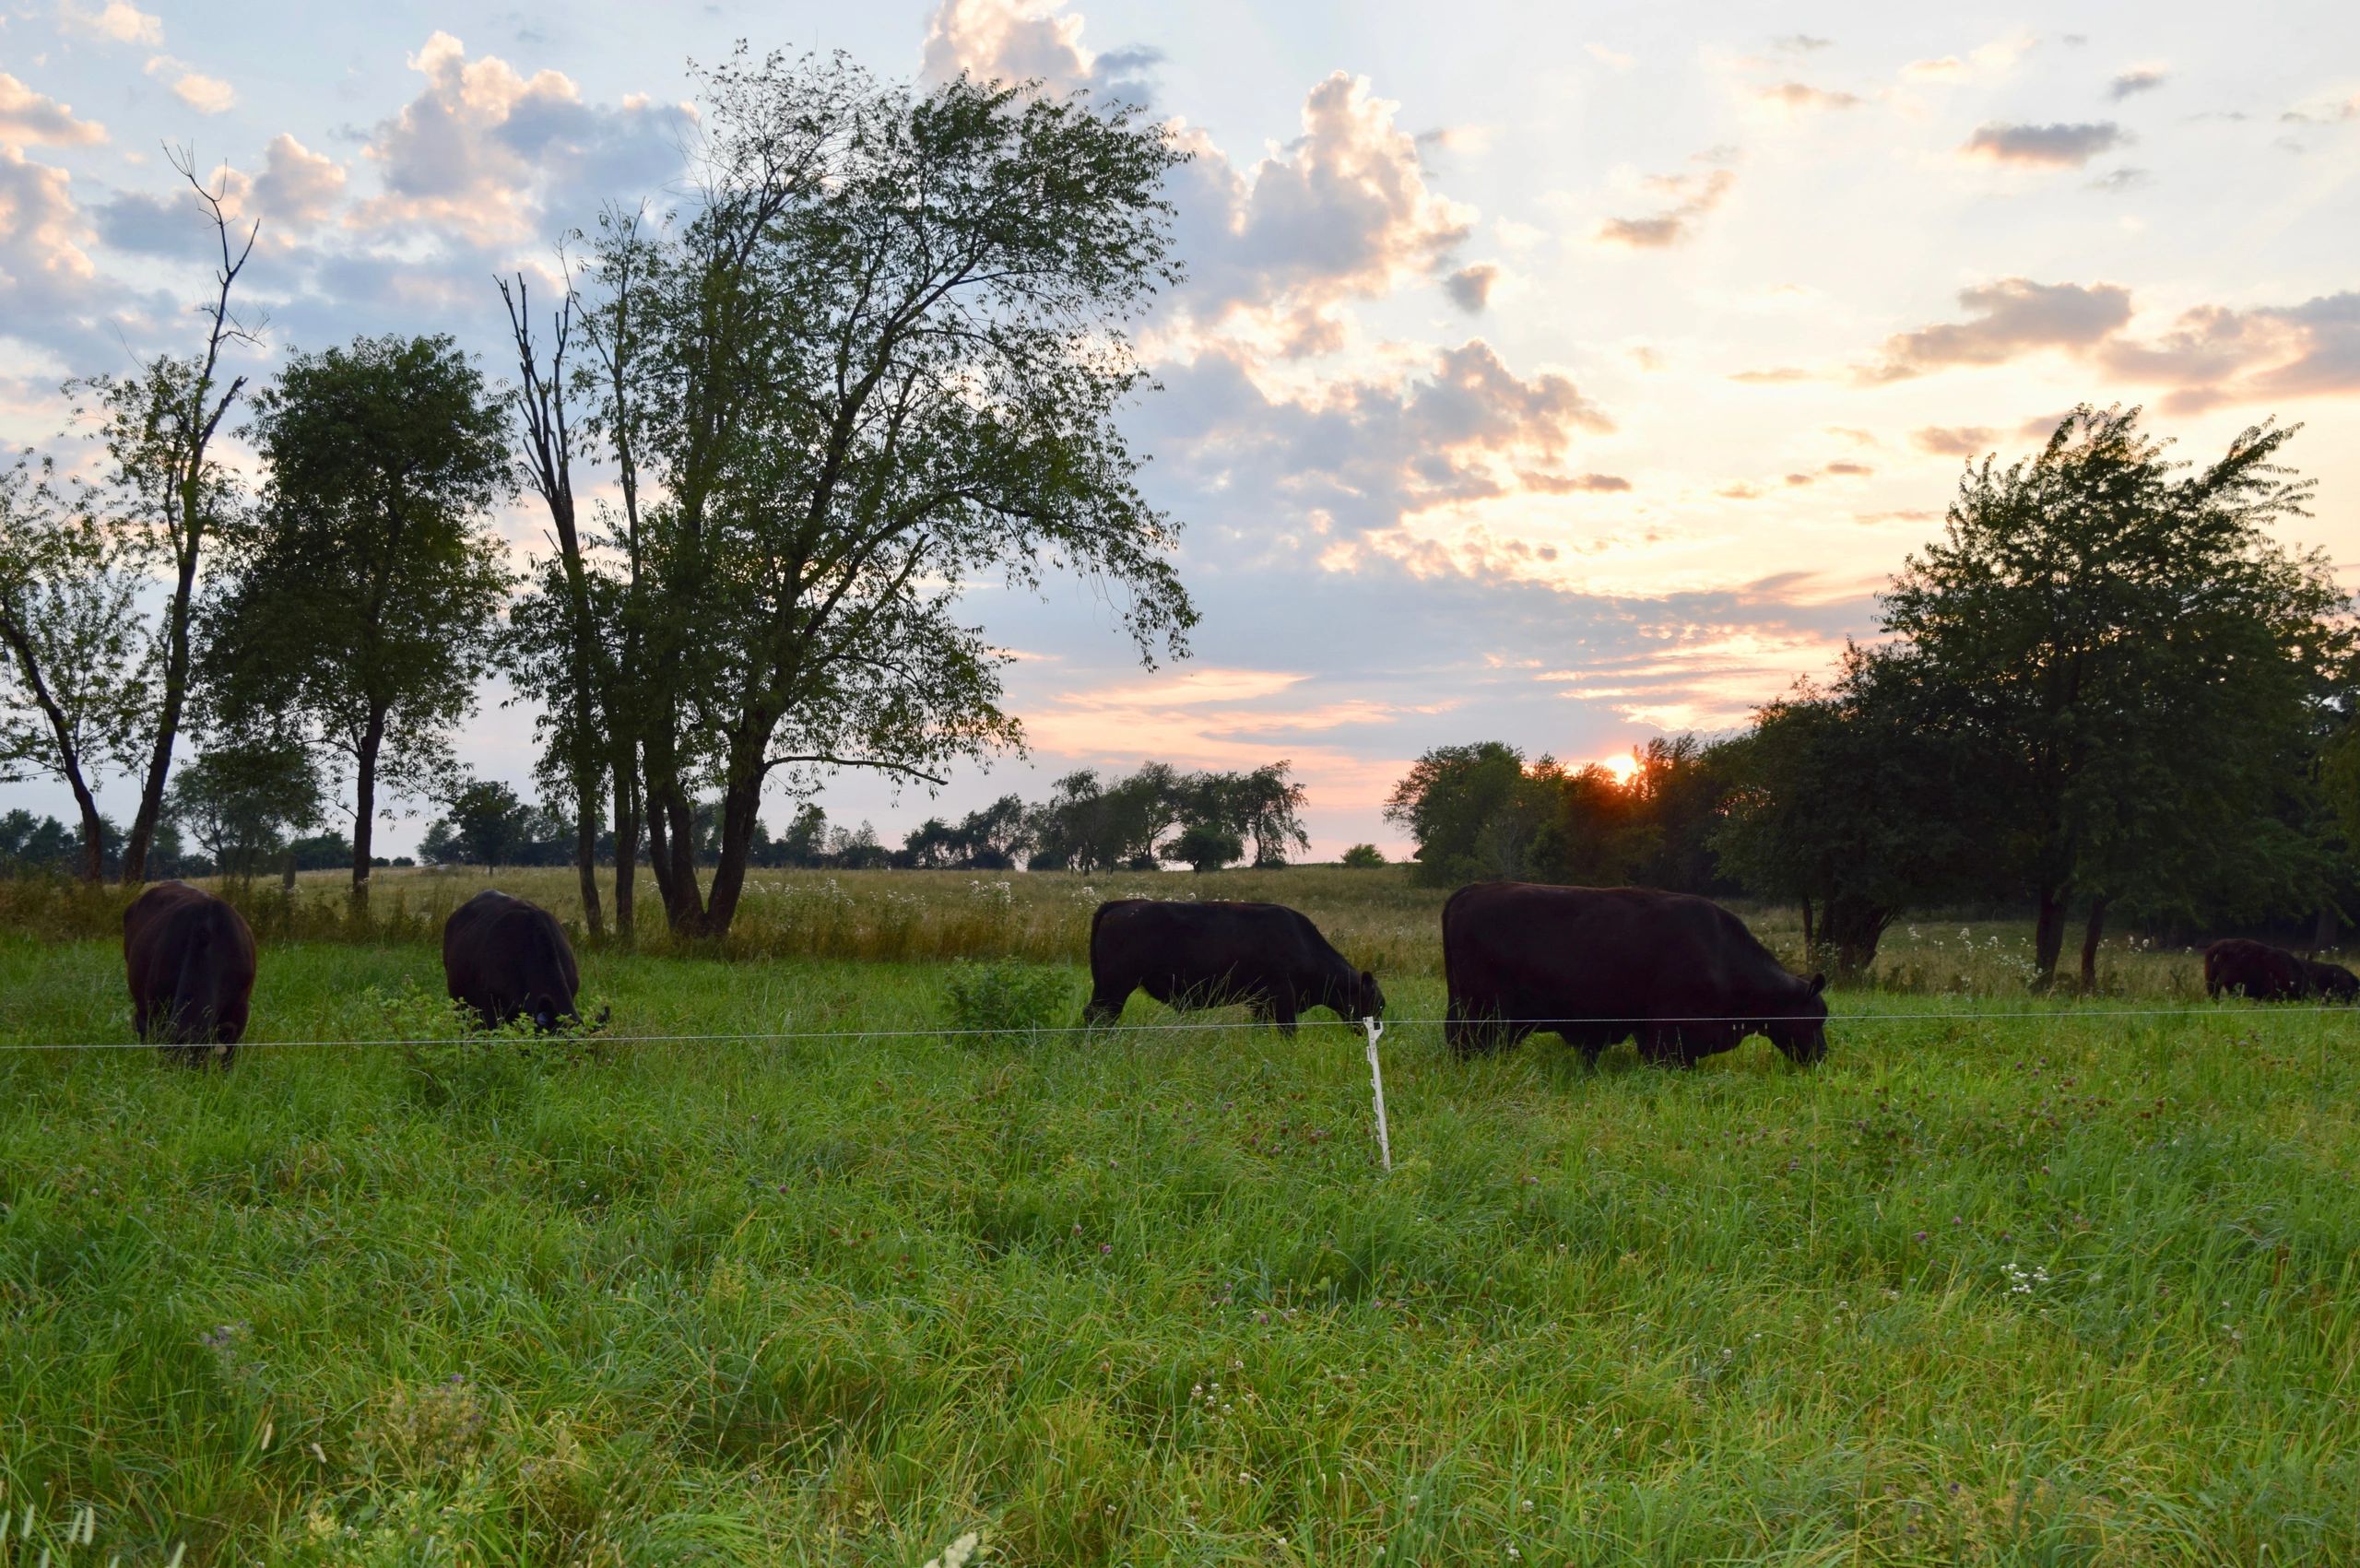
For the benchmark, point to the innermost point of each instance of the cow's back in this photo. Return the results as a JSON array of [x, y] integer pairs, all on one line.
[[499, 950], [189, 960]]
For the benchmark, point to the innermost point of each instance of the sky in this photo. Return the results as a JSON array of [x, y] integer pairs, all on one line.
[[1559, 374]]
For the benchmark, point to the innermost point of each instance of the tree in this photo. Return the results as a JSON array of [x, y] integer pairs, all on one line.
[[1205, 846], [236, 799], [563, 645], [366, 591], [162, 479], [75, 667], [883, 354], [1842, 801], [489, 825], [2131, 657], [1364, 857], [1474, 811]]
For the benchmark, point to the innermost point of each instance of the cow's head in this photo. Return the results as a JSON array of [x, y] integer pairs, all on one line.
[[1801, 1033], [1368, 999]]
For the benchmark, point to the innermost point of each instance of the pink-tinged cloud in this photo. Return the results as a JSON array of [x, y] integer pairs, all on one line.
[[2011, 318], [32, 119], [1696, 194], [1800, 95], [1954, 440], [2047, 147], [115, 21]]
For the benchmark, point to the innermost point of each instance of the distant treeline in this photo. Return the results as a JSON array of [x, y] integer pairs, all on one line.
[[1089, 823], [2106, 692]]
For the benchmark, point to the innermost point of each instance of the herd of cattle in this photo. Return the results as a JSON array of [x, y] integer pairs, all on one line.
[[1595, 966]]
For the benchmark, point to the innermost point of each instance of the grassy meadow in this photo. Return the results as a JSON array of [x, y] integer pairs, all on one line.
[[2004, 1280]]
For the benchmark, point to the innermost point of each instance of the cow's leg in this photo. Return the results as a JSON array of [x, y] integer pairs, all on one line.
[[1105, 1004], [1280, 1010]]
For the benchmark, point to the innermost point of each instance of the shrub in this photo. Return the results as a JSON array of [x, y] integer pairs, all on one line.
[[1364, 856], [1003, 993]]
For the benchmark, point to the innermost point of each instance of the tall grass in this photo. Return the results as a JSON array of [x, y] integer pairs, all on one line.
[[2028, 1285], [1377, 917]]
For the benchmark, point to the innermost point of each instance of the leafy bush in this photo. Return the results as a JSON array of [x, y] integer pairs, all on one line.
[[1003, 993], [1364, 857]]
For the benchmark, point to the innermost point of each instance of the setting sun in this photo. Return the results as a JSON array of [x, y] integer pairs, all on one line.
[[1622, 768]]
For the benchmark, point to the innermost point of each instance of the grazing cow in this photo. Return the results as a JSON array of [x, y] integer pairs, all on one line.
[[190, 958], [2261, 972], [507, 959], [1599, 965], [1203, 954], [2332, 981]]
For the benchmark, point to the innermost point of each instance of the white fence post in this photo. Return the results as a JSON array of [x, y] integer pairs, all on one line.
[[1376, 1088]]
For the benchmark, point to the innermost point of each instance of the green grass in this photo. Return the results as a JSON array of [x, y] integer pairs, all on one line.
[[2032, 1285]]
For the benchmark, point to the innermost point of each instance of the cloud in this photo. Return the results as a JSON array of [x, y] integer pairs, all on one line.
[[297, 187], [114, 20], [483, 151], [207, 95], [52, 297], [1573, 484], [2324, 113], [1342, 212], [1018, 41], [1613, 59], [1470, 287], [2048, 147], [2138, 79], [2116, 182], [1698, 194], [29, 119], [2012, 317], [1800, 95], [1776, 375], [1946, 69], [2214, 355], [1801, 44], [1843, 469], [1954, 440], [1907, 516]]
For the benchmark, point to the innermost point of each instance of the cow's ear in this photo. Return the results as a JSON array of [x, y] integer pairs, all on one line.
[[1818, 984], [1368, 977]]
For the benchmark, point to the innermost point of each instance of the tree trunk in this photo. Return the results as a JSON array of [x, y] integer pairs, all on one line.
[[586, 855], [2326, 928], [2091, 936], [287, 873], [1810, 936], [2048, 936], [626, 849], [740, 809], [364, 808], [168, 717]]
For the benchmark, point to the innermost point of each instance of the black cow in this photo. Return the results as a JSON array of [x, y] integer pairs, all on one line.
[[2261, 972], [507, 958], [1599, 965], [190, 958], [2332, 981], [1204, 954]]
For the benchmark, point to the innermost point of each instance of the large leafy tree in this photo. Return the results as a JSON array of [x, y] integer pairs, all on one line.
[[883, 354], [367, 588], [2131, 655], [1476, 811], [75, 659]]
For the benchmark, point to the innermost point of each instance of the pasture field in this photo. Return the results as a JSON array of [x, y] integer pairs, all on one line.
[[2001, 1282]]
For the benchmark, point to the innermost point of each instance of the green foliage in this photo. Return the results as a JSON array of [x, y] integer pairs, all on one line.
[[2131, 657], [1203, 846], [1006, 994], [238, 797], [1846, 802], [883, 355], [77, 660], [366, 588]]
